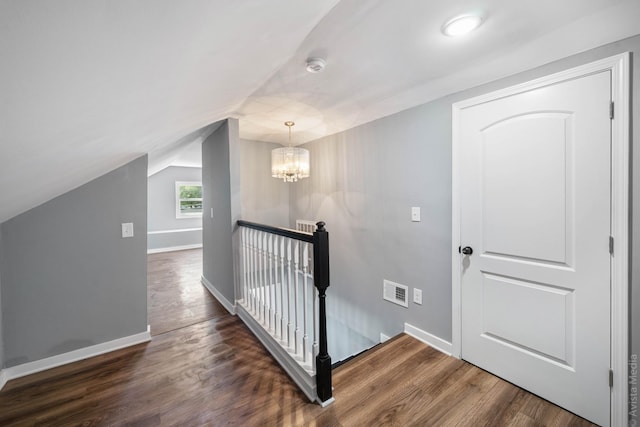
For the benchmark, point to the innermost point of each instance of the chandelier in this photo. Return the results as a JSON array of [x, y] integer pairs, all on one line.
[[290, 163]]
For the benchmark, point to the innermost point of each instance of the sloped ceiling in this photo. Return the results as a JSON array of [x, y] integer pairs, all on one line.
[[87, 85]]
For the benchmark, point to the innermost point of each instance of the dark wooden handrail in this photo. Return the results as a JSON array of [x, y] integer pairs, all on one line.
[[286, 232], [320, 241]]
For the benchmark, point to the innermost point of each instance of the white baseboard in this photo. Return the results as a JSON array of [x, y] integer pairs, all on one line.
[[429, 339], [181, 230], [173, 248], [231, 308], [73, 356]]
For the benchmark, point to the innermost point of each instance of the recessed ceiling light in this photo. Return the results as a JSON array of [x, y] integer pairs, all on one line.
[[461, 25], [316, 65]]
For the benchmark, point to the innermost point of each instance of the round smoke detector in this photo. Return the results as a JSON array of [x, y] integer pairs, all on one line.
[[316, 65]]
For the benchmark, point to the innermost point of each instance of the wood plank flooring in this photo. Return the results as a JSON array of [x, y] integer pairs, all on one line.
[[214, 372], [176, 298]]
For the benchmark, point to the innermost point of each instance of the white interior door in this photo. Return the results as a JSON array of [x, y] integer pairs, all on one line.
[[535, 210]]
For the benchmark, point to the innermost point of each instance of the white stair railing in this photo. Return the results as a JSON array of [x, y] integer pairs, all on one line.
[[280, 300], [306, 226]]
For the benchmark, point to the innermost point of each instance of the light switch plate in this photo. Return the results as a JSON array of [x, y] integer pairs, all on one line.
[[415, 214], [127, 229]]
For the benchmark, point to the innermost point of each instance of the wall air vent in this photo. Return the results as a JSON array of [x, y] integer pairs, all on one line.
[[395, 293]]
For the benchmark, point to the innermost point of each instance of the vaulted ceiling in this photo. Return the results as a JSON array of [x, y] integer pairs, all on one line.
[[87, 85]]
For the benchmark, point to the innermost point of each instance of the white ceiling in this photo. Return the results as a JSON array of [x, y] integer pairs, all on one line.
[[87, 85]]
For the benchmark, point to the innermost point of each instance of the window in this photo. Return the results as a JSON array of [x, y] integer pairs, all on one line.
[[188, 199]]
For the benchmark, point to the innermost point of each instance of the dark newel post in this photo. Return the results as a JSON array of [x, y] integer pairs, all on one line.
[[321, 281]]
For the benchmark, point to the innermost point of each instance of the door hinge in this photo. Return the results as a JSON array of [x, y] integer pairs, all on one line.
[[611, 245], [610, 377], [611, 109]]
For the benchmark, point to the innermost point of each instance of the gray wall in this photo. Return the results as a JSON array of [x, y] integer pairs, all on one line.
[[162, 199], [264, 199], [168, 241], [162, 209], [69, 280], [221, 192], [363, 183]]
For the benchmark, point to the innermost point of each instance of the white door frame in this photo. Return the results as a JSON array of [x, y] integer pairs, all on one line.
[[619, 66]]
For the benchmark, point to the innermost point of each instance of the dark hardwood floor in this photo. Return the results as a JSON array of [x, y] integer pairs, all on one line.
[[214, 372], [175, 296]]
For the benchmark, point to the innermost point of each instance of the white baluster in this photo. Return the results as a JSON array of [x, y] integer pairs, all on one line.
[[276, 284], [247, 273], [296, 302], [271, 284], [265, 283], [315, 347], [242, 261], [250, 264], [283, 326], [258, 274], [305, 284], [263, 288], [254, 282], [289, 286]]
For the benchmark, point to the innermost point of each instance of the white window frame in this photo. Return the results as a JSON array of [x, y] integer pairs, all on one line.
[[179, 214]]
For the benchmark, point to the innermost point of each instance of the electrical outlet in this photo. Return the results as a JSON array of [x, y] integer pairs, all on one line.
[[417, 296]]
